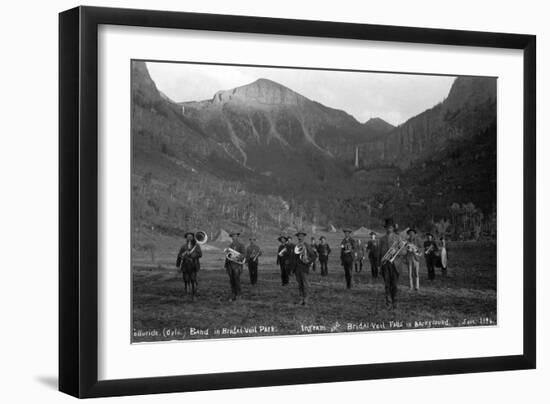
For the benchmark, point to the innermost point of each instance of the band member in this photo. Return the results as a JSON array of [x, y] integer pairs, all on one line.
[[323, 250], [283, 258], [412, 258], [359, 256], [373, 254], [389, 270], [302, 256], [253, 252], [188, 262], [430, 252], [347, 255], [235, 268], [442, 261], [314, 246]]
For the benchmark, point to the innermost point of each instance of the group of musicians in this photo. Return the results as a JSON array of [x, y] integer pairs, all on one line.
[[300, 257]]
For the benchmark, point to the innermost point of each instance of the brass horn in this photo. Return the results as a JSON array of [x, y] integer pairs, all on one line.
[[301, 251], [201, 237], [298, 249], [234, 256]]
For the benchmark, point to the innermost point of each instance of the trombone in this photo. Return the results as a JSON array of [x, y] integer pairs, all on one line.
[[394, 251]]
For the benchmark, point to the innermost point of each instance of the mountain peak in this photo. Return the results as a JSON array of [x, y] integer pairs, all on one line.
[[266, 82], [263, 91], [378, 125]]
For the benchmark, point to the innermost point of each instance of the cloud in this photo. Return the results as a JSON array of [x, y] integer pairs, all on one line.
[[390, 96]]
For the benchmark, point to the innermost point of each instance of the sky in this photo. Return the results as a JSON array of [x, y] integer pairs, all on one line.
[[392, 97]]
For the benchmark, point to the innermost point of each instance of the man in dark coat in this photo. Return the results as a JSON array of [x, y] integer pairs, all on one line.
[[430, 253], [323, 250], [389, 270], [373, 254], [300, 264], [190, 249], [347, 255], [188, 261], [283, 258], [234, 267], [253, 252]]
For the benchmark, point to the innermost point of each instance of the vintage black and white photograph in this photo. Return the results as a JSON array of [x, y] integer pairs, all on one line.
[[279, 201]]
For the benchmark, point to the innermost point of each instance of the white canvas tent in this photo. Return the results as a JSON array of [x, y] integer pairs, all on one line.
[[362, 231], [331, 228], [290, 230], [403, 233], [222, 236]]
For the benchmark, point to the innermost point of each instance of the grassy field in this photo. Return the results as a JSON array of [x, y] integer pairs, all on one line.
[[465, 297]]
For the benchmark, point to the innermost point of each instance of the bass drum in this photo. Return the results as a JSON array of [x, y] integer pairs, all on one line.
[[444, 258]]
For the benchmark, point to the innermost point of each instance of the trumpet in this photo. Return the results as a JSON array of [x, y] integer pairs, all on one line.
[[429, 249], [255, 256], [234, 256], [413, 248]]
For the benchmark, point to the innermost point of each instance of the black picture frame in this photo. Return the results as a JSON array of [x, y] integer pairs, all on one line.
[[78, 200]]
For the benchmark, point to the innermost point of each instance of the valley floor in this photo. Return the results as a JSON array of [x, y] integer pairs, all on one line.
[[466, 297]]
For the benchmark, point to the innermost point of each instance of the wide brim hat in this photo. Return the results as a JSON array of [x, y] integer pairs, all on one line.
[[411, 230], [300, 233], [189, 233], [252, 238], [281, 238], [346, 230], [234, 233], [389, 223], [372, 233], [429, 234]]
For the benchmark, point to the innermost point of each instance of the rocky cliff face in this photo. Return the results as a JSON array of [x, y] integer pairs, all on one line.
[[265, 125], [262, 91], [160, 130], [469, 109]]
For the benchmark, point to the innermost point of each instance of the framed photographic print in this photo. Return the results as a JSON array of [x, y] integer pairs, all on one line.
[[250, 201]]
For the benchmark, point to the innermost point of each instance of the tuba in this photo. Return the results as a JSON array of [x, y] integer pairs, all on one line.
[[201, 237], [234, 256]]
